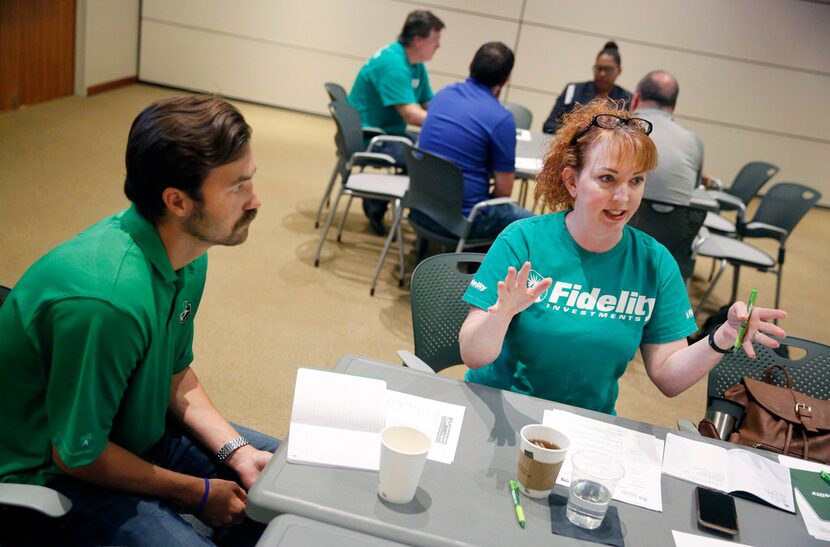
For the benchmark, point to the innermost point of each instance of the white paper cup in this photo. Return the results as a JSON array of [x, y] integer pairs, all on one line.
[[539, 466], [403, 452]]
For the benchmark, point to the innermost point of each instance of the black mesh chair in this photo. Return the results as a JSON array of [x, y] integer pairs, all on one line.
[[811, 372], [4, 292], [436, 189], [748, 182], [438, 283], [521, 114], [675, 226], [781, 209], [337, 94], [386, 186]]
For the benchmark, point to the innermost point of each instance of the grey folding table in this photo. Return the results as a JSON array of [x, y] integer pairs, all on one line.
[[468, 502], [294, 531], [529, 154]]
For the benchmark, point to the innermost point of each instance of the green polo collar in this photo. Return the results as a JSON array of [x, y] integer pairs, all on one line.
[[147, 238]]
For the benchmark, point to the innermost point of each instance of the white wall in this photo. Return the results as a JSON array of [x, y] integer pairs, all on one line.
[[106, 47], [753, 73]]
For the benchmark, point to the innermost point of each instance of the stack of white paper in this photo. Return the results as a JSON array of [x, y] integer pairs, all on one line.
[[336, 420], [639, 453], [735, 470]]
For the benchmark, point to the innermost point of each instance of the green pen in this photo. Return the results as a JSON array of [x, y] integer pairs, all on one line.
[[826, 476], [742, 331], [520, 514]]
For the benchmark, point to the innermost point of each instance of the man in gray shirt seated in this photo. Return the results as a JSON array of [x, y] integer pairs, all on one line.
[[680, 165]]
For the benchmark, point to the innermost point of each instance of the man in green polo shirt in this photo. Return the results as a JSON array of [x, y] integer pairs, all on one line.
[[392, 90], [97, 396]]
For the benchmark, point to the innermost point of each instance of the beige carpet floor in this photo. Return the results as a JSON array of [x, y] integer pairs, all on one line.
[[267, 310]]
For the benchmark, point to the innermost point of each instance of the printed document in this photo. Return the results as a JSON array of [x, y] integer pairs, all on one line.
[[529, 164], [735, 470], [336, 420], [639, 453]]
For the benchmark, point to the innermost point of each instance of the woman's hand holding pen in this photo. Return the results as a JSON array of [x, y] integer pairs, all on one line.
[[759, 327], [514, 294]]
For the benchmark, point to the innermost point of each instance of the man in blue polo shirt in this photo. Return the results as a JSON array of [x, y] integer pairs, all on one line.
[[392, 90], [97, 394], [468, 126]]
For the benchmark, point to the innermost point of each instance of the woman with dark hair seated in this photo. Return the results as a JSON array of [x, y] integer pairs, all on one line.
[[607, 68]]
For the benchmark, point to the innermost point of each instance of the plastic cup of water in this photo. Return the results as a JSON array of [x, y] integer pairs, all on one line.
[[594, 476]]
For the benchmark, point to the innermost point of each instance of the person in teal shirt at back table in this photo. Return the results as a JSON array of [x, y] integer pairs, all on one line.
[[589, 289], [392, 90]]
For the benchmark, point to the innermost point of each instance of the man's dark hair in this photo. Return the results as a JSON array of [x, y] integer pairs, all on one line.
[[662, 90], [492, 64], [175, 142], [419, 23]]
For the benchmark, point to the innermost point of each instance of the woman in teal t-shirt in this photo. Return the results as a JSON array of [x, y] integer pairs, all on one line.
[[589, 289]]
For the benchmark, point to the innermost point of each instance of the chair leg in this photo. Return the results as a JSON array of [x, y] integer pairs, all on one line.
[[778, 275], [399, 229], [736, 276], [343, 219], [523, 191], [325, 231], [327, 195], [705, 296], [386, 245]]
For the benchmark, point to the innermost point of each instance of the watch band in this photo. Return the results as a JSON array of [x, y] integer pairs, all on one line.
[[714, 346], [228, 448]]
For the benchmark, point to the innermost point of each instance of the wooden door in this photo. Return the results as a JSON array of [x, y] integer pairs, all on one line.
[[37, 51]]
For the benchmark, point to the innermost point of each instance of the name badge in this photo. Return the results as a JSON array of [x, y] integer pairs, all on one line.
[[416, 82]]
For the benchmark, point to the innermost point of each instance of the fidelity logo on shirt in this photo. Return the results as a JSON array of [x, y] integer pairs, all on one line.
[[478, 285], [569, 298]]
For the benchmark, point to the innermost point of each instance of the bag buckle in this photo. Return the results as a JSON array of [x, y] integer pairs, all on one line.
[[802, 406]]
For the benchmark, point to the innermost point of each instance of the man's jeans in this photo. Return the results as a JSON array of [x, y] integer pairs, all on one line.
[[488, 224], [100, 516]]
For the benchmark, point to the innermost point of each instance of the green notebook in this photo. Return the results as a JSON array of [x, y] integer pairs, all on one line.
[[814, 490]]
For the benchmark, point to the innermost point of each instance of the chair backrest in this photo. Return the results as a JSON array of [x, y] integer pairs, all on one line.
[[675, 226], [785, 204], [811, 372], [437, 309], [336, 92], [436, 188], [522, 115], [349, 138], [4, 292], [750, 179]]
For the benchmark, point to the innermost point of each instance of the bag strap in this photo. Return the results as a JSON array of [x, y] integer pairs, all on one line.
[[804, 413], [787, 375]]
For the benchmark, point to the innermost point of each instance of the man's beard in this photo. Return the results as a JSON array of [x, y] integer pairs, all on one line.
[[211, 232]]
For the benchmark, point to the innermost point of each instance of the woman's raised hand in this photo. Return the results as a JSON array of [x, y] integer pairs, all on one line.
[[514, 294]]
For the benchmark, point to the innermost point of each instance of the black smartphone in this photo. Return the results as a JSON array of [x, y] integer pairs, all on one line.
[[716, 510]]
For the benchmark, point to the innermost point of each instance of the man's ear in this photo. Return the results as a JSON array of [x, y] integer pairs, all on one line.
[[569, 175], [177, 202], [635, 101]]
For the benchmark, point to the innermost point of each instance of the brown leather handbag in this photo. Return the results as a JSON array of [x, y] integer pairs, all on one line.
[[781, 419]]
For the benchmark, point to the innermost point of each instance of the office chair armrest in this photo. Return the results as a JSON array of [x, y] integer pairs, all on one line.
[[410, 360], [374, 159], [488, 203], [687, 426], [761, 229], [38, 498], [727, 202], [372, 132], [387, 138]]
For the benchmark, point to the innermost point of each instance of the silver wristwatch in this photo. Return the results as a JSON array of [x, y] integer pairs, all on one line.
[[229, 447]]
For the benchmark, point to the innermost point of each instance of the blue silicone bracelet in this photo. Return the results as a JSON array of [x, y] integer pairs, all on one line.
[[204, 497]]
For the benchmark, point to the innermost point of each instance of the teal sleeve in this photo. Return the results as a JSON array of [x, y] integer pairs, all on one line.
[[672, 317], [394, 86], [92, 349], [483, 289]]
